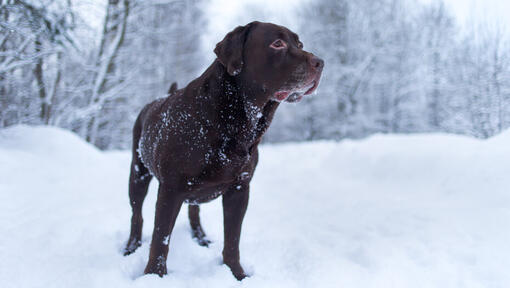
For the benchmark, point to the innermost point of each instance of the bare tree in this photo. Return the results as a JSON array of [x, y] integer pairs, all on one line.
[[30, 36], [105, 87]]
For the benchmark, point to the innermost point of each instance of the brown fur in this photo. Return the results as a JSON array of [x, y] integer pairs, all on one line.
[[201, 141]]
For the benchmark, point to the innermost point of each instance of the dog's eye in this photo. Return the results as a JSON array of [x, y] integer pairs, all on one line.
[[278, 44], [300, 45]]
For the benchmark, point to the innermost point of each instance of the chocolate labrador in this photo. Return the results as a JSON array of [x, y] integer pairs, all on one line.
[[201, 141]]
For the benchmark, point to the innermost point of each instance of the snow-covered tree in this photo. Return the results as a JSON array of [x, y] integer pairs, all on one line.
[[391, 66], [33, 35]]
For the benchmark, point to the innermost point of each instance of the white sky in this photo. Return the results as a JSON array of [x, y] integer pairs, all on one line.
[[469, 11], [225, 15]]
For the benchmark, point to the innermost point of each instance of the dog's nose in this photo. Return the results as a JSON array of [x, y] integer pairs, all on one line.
[[316, 62]]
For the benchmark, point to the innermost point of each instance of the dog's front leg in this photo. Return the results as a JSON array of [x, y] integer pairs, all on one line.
[[235, 202], [167, 208]]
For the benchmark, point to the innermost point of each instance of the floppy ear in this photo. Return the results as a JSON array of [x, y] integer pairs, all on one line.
[[230, 49]]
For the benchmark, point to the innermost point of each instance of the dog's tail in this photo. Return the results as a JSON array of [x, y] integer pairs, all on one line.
[[172, 89]]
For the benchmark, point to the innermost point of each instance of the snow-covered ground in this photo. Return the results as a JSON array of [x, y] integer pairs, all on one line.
[[388, 211]]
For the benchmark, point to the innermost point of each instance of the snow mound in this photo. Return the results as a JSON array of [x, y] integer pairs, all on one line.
[[45, 140], [425, 210], [502, 138]]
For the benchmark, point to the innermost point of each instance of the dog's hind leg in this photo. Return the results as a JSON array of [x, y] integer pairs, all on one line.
[[139, 180], [196, 228], [138, 185]]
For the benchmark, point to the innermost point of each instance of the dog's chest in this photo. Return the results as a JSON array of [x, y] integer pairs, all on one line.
[[227, 161], [224, 169], [207, 151]]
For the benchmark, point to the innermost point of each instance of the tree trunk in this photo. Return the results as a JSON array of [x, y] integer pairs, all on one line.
[[106, 65], [39, 77], [52, 97]]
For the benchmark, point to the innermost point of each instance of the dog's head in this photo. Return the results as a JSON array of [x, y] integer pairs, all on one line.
[[271, 57]]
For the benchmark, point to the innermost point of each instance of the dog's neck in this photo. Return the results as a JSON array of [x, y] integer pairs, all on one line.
[[243, 108]]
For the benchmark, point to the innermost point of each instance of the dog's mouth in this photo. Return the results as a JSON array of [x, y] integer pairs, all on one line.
[[296, 94]]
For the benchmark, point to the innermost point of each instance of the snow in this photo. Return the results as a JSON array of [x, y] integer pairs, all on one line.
[[389, 211]]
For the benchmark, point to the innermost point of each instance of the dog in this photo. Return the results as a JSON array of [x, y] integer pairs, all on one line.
[[201, 141]]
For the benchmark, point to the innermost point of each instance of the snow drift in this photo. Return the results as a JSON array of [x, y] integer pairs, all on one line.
[[388, 211]]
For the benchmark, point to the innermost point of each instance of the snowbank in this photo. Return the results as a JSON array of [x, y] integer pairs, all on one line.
[[388, 211]]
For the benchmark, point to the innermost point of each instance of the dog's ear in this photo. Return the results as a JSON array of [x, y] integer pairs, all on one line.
[[230, 49]]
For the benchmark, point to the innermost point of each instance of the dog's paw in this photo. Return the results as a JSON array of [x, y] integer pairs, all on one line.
[[237, 270], [158, 269], [240, 275], [204, 242], [132, 246], [198, 235]]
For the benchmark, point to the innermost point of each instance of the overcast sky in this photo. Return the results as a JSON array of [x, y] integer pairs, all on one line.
[[225, 15], [480, 10]]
